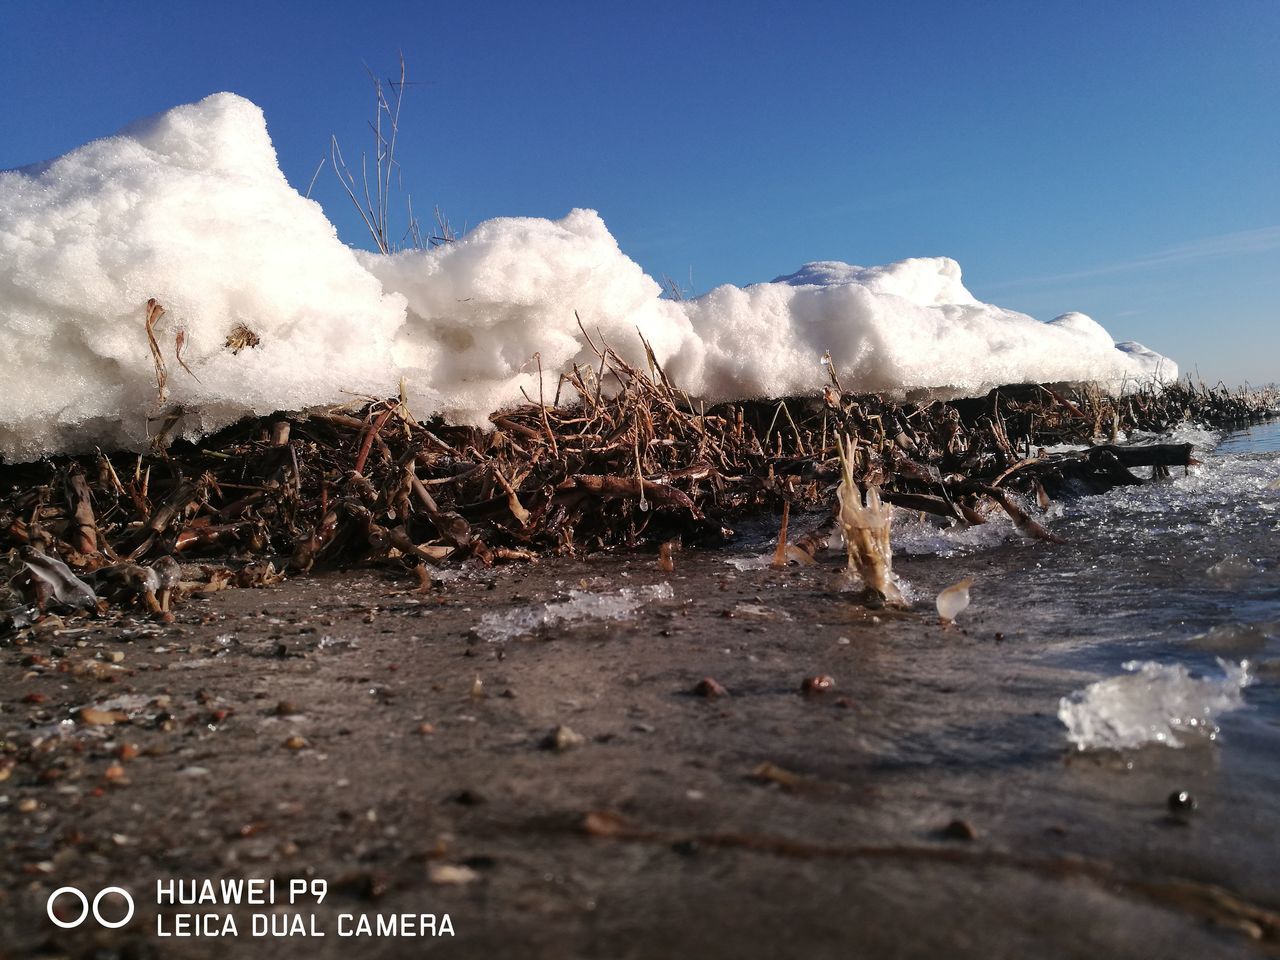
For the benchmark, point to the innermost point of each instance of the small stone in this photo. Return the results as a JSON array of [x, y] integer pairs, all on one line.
[[818, 684], [426, 729], [296, 743], [959, 830], [710, 688], [28, 805], [1182, 803], [98, 718], [562, 738], [286, 709], [114, 773], [448, 874]]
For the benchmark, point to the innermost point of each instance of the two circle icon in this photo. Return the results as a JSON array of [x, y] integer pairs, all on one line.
[[86, 908]]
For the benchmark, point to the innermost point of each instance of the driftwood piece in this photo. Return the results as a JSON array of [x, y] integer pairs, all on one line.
[[1111, 460], [1151, 454], [938, 506]]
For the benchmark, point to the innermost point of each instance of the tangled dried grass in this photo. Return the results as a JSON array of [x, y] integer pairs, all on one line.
[[619, 458]]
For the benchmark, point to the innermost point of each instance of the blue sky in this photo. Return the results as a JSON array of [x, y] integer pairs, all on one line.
[[1115, 158]]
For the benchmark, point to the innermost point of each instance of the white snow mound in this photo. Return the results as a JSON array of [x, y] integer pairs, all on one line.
[[480, 308], [190, 207]]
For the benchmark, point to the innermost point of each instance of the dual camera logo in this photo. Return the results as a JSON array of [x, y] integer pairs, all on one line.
[[86, 909]]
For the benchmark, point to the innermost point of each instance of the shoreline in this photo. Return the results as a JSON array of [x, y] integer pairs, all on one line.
[[621, 754], [343, 728]]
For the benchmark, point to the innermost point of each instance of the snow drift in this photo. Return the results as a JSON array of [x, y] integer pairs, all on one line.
[[190, 207]]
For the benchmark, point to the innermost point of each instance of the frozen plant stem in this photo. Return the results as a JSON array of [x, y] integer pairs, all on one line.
[[866, 529]]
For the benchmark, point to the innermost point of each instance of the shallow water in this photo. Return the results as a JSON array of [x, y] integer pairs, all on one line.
[[1180, 573], [1177, 573]]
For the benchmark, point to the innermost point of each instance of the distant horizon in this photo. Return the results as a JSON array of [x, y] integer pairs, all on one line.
[[1098, 159]]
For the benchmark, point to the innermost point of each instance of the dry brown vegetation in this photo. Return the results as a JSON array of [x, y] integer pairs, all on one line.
[[620, 457]]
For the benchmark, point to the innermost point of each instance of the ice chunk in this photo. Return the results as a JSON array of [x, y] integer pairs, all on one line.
[[1151, 703], [581, 605], [58, 581], [953, 600], [754, 562], [916, 536]]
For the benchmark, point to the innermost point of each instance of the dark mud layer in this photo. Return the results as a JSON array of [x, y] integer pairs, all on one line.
[[345, 727]]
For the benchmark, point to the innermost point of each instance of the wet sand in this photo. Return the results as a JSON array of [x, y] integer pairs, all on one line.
[[347, 728]]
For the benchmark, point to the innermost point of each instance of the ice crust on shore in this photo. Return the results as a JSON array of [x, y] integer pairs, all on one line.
[[580, 606], [190, 207], [1151, 703]]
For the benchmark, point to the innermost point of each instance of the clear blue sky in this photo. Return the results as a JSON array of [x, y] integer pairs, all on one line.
[[1119, 158]]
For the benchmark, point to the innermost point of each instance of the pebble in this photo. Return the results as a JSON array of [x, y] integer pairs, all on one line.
[[818, 684], [959, 830], [710, 688], [562, 738], [448, 874]]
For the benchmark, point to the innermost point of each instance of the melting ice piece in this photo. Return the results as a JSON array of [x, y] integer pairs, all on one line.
[[57, 578], [954, 599], [754, 562], [581, 605], [1152, 703]]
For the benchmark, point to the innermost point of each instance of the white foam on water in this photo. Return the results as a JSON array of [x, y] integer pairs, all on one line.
[[581, 605], [922, 537], [190, 208], [1213, 492], [1151, 703]]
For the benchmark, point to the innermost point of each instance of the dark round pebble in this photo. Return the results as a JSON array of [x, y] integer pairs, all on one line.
[[1181, 803]]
